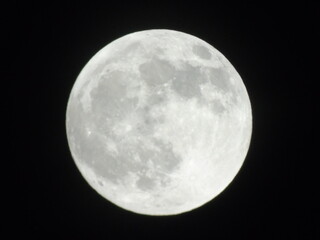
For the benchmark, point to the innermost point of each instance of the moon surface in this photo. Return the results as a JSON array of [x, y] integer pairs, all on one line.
[[159, 122]]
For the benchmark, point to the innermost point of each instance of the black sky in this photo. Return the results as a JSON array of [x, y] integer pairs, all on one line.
[[274, 196]]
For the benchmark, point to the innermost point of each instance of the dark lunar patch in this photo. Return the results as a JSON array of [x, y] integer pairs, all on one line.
[[157, 98], [100, 183], [217, 107], [146, 125], [220, 78], [145, 183], [167, 161], [186, 82], [132, 47], [116, 168], [156, 72], [109, 98], [201, 52]]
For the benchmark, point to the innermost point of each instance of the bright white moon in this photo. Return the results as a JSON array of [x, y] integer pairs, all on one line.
[[159, 122]]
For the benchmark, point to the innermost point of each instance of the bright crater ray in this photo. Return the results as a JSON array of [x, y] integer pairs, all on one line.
[[159, 122]]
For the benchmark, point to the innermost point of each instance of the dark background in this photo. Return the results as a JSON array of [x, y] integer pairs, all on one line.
[[274, 196]]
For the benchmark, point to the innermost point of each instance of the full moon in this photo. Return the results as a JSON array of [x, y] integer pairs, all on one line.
[[159, 122]]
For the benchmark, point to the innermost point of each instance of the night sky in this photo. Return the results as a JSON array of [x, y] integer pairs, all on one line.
[[274, 196]]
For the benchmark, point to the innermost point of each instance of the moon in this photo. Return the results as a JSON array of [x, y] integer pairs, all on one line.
[[159, 122]]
